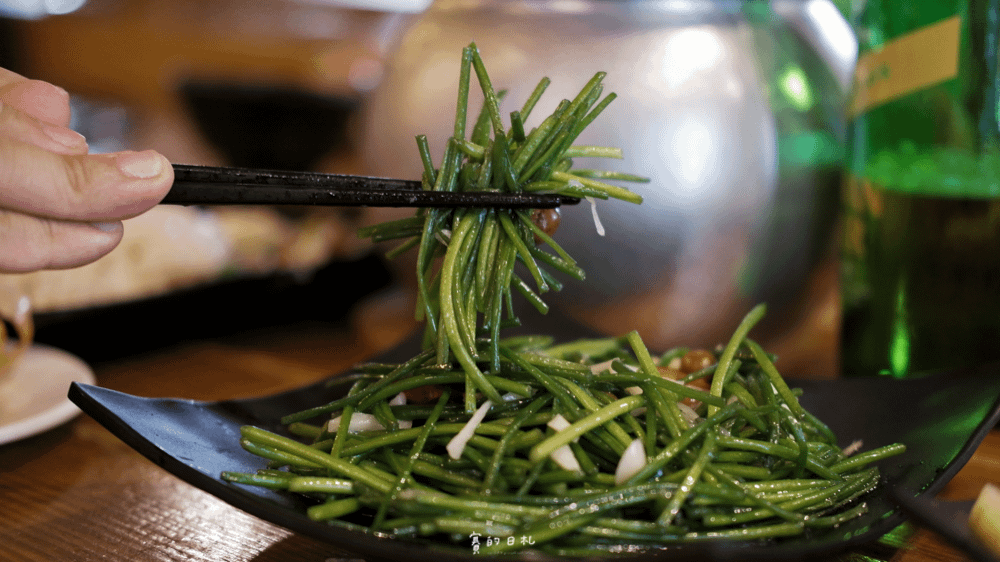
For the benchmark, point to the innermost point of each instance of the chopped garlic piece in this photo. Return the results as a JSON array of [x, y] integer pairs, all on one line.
[[631, 462], [456, 446], [558, 423], [633, 390], [597, 219], [564, 457], [852, 448], [599, 368], [359, 422], [689, 415]]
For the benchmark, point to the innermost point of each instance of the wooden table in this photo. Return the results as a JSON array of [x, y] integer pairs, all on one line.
[[77, 493]]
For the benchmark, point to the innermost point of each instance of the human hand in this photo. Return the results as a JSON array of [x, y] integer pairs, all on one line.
[[61, 207]]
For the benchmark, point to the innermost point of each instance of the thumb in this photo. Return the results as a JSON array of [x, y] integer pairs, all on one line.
[[88, 188]]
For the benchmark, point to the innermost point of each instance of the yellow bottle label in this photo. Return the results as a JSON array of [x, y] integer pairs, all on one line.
[[907, 64]]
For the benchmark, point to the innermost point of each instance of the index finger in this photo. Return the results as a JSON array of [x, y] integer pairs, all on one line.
[[9, 77], [41, 100]]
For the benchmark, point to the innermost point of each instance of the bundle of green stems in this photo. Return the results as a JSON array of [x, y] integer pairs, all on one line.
[[466, 258], [522, 442]]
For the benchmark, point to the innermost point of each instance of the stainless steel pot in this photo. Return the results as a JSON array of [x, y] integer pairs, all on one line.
[[732, 108]]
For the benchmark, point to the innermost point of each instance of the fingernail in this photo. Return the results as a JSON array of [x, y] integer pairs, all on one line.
[[66, 137], [140, 165], [113, 226]]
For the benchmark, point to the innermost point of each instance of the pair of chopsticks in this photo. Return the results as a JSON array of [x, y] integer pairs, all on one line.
[[208, 185]]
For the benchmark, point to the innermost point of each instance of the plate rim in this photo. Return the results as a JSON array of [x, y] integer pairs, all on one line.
[[54, 416]]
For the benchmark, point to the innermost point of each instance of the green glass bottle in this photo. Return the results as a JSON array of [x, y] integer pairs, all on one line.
[[921, 246]]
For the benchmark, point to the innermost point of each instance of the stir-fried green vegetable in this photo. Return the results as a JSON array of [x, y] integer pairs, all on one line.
[[468, 294], [506, 444]]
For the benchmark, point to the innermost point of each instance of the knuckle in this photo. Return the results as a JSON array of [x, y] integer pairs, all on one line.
[[80, 179], [40, 183]]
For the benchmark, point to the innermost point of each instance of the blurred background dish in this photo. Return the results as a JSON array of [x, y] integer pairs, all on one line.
[[33, 394]]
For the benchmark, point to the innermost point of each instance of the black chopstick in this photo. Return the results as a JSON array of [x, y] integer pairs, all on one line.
[[209, 185]]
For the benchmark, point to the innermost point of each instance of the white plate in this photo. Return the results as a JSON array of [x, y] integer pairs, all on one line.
[[33, 394]]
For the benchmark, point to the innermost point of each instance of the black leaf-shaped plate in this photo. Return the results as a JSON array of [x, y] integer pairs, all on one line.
[[941, 418]]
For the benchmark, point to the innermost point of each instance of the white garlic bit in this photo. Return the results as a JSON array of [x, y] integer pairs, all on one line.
[[631, 461], [457, 444]]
